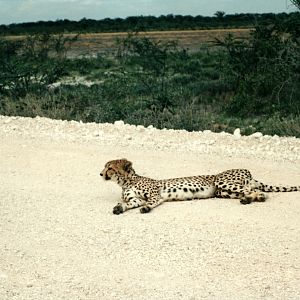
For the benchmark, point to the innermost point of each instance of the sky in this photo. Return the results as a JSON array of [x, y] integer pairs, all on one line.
[[18, 11]]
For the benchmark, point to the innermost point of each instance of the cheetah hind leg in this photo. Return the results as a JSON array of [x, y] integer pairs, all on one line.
[[253, 196], [246, 194]]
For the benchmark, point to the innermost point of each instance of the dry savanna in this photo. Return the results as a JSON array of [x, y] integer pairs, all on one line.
[[192, 40]]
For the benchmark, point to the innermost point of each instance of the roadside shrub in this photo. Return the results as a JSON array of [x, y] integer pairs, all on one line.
[[31, 64], [264, 71], [153, 64], [87, 65]]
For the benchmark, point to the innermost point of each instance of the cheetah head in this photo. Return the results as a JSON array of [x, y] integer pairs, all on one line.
[[115, 169]]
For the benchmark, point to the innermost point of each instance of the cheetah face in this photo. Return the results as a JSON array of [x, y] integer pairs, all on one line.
[[114, 169]]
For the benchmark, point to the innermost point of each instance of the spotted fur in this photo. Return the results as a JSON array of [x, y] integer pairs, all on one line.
[[147, 193]]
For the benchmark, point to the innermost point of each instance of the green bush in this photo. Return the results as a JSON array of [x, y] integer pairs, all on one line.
[[30, 65], [153, 64], [264, 71]]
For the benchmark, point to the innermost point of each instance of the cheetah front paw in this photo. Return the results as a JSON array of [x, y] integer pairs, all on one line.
[[145, 209], [118, 209], [245, 201]]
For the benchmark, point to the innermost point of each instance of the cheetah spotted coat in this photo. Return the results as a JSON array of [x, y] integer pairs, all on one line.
[[147, 193]]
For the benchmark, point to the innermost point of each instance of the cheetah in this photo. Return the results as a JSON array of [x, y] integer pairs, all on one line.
[[147, 193]]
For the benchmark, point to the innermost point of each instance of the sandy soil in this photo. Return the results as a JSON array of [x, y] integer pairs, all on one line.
[[60, 240]]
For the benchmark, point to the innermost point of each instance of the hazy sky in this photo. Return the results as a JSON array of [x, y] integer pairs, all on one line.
[[16, 11]]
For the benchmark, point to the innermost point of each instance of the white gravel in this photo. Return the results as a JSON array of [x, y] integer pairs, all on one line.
[[60, 240], [255, 145]]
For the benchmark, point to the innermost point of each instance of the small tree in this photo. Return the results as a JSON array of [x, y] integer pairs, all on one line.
[[31, 63], [152, 65], [264, 70]]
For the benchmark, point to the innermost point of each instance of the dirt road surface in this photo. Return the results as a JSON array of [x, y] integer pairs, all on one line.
[[60, 240]]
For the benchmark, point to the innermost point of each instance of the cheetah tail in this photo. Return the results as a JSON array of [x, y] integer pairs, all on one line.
[[271, 188]]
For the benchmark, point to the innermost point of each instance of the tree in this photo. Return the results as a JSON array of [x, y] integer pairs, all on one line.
[[29, 64], [263, 70], [219, 14], [152, 65]]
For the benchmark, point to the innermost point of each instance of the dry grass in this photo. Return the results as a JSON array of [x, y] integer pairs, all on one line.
[[190, 39], [92, 43]]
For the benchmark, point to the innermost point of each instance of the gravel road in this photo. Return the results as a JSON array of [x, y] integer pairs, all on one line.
[[60, 240]]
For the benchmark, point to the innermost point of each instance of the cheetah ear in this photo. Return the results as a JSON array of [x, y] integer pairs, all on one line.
[[127, 165]]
